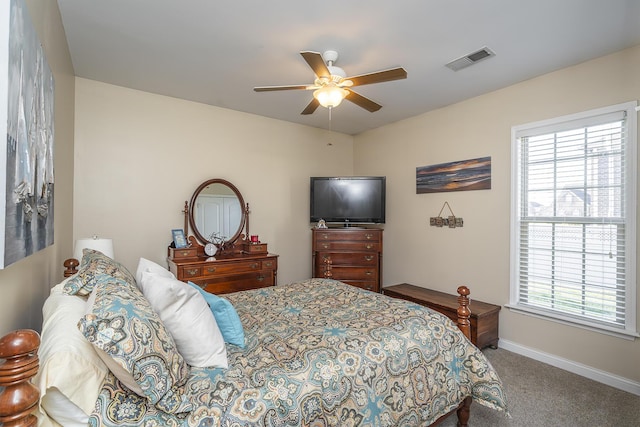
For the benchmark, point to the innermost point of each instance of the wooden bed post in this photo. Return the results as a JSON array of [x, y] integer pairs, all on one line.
[[464, 313], [18, 397], [71, 267]]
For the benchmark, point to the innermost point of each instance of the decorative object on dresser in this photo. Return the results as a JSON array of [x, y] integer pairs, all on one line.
[[217, 210], [484, 316], [351, 255]]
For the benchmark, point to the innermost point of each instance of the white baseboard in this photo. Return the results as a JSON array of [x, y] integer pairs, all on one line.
[[574, 367]]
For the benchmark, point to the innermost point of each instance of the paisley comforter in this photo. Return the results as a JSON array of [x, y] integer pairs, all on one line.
[[322, 353]]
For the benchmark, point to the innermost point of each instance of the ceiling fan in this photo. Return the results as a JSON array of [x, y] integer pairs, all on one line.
[[332, 85]]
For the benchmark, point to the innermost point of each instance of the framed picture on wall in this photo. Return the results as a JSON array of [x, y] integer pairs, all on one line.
[[27, 120], [179, 239]]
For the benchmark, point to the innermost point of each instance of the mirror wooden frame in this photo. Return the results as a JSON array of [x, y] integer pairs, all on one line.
[[189, 212]]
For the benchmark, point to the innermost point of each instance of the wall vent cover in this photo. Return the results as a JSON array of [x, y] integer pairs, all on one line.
[[470, 59]]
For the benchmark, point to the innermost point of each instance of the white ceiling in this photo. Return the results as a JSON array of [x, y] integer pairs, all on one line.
[[216, 51]]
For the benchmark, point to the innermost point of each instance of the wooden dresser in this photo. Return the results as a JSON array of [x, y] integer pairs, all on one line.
[[351, 255], [484, 316], [239, 272]]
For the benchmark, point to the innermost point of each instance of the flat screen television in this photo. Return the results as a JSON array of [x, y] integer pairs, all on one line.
[[348, 199]]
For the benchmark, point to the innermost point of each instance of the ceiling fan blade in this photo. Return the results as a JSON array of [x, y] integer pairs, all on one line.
[[379, 76], [362, 101], [315, 61], [272, 88], [313, 105]]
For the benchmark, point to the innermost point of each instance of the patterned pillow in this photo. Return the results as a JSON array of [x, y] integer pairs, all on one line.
[[123, 325], [95, 268]]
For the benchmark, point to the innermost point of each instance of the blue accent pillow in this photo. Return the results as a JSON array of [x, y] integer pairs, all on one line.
[[226, 317]]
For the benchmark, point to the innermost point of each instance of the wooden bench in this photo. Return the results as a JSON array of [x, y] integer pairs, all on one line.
[[484, 316]]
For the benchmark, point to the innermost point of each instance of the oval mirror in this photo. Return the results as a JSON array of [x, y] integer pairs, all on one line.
[[217, 210]]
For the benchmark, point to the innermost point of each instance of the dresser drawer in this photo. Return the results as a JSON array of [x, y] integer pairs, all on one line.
[[235, 267], [237, 282], [347, 258], [270, 264], [355, 273], [181, 253], [347, 235], [347, 246], [189, 272], [363, 284]]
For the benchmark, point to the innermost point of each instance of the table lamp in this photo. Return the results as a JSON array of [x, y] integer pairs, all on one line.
[[103, 245]]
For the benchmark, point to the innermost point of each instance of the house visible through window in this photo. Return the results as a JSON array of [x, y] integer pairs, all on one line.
[[573, 219]]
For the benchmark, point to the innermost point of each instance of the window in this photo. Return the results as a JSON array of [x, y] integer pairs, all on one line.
[[573, 219]]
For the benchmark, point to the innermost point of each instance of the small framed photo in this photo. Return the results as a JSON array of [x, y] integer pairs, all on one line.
[[179, 239]]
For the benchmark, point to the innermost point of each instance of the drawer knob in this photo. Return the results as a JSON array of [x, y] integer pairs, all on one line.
[[369, 236], [192, 272], [324, 236], [260, 278], [368, 257], [211, 269], [325, 246], [254, 265], [185, 253], [368, 246], [268, 264], [369, 273]]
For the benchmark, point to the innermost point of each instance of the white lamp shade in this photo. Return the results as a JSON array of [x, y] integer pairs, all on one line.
[[103, 245]]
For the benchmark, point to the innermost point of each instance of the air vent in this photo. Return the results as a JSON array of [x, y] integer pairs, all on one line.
[[470, 59]]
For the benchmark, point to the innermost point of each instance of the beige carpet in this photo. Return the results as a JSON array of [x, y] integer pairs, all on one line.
[[541, 395]]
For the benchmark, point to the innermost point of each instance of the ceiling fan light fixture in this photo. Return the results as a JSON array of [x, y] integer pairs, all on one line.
[[330, 96]]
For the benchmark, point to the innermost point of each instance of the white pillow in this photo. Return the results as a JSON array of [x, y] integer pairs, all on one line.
[[151, 267], [64, 349], [188, 318], [62, 410]]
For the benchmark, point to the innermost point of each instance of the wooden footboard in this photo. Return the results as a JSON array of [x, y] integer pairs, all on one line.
[[18, 397]]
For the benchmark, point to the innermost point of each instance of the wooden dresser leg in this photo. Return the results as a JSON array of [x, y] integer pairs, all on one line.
[[18, 397]]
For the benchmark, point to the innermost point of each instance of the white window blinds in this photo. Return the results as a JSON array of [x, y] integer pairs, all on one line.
[[573, 238]]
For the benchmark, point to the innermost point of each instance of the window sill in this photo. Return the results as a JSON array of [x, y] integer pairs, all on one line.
[[554, 317]]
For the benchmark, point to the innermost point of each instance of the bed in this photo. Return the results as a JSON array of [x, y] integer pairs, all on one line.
[[312, 353]]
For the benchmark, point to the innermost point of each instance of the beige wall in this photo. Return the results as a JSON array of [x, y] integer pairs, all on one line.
[[478, 253], [25, 284], [139, 156]]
